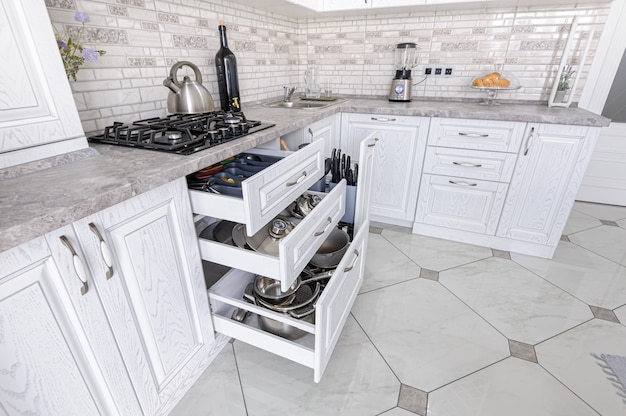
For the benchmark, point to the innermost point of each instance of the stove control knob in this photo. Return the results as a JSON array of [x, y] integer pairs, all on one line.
[[224, 132]]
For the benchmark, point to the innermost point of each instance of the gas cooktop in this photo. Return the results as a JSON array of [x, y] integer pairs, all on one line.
[[181, 133]]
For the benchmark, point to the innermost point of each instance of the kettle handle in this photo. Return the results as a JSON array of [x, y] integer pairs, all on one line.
[[179, 65]]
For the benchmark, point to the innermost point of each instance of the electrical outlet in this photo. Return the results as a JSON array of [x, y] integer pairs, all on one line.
[[448, 71], [428, 70], [439, 71]]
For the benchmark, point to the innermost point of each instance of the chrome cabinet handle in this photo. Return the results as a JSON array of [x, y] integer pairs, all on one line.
[[462, 183], [79, 267], [300, 179], [373, 144], [384, 119], [347, 269], [528, 140], [318, 233], [467, 164], [311, 132], [472, 134], [104, 251]]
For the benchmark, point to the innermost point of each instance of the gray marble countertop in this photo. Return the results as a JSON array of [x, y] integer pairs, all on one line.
[[35, 203]]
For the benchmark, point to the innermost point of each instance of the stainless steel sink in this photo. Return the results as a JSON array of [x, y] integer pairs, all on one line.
[[302, 104]]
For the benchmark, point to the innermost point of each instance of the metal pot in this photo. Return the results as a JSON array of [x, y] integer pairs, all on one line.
[[332, 249], [268, 289], [189, 96]]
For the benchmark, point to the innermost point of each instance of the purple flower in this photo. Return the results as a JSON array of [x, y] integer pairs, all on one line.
[[90, 55], [62, 45], [82, 17]]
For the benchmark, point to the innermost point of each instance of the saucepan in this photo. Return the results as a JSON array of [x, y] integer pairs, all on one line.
[[332, 249]]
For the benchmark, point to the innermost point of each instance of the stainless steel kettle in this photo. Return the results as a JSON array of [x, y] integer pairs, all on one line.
[[189, 96]]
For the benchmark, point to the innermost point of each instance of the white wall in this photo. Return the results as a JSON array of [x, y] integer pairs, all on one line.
[[143, 38]]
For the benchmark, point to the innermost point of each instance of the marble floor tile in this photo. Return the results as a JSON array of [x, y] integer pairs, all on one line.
[[579, 221], [426, 335], [511, 387], [434, 253], [357, 381], [607, 241], [518, 303], [601, 211], [217, 391], [397, 411], [569, 358], [582, 273], [386, 265], [621, 223], [621, 314]]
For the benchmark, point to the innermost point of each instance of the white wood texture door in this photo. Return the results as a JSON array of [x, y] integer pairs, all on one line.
[[155, 298], [549, 170], [46, 364], [38, 118], [397, 164], [460, 203]]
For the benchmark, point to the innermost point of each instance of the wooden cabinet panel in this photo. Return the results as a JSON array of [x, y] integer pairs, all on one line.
[[546, 178], [398, 162], [465, 163], [499, 136]]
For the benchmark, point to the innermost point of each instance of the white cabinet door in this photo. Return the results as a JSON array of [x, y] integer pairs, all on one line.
[[346, 4], [460, 203], [546, 179], [395, 3], [155, 298], [38, 118], [46, 364], [398, 161], [327, 130]]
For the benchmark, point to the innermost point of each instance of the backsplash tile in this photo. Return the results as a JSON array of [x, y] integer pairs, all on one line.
[[144, 38]]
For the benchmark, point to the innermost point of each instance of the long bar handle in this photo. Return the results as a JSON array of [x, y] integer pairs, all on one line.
[[528, 140], [463, 183], [79, 266], [330, 222], [472, 134], [297, 181], [104, 251], [467, 164], [383, 119], [347, 269]]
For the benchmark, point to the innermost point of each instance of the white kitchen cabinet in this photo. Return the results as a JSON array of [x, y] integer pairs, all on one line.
[[330, 5], [460, 133], [398, 162], [460, 203], [395, 3], [326, 129], [546, 179], [149, 279], [265, 195], [331, 308], [47, 366], [38, 118]]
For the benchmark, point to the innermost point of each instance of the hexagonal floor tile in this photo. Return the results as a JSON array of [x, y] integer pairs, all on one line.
[[586, 275], [607, 241], [511, 387], [434, 253], [427, 336], [217, 389], [518, 303], [357, 380], [621, 314], [386, 265], [569, 358], [578, 221], [601, 211]]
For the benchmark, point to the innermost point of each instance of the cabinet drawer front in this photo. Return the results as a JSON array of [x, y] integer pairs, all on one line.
[[464, 204], [333, 307], [499, 136], [294, 251], [464, 163], [268, 192]]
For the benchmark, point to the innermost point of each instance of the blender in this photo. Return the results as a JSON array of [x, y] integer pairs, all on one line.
[[407, 56]]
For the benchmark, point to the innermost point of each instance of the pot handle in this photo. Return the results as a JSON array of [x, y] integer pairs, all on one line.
[[179, 65]]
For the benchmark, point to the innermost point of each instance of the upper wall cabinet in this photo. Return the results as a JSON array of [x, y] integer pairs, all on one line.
[[38, 117], [329, 5]]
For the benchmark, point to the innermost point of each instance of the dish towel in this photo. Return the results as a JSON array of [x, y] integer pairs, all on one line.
[[615, 367]]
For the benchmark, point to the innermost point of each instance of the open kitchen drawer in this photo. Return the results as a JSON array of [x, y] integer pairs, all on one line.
[[331, 311], [269, 191], [294, 250]]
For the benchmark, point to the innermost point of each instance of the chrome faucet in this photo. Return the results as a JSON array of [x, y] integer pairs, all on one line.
[[288, 92]]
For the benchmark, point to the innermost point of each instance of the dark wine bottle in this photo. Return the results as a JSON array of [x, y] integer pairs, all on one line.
[[227, 79]]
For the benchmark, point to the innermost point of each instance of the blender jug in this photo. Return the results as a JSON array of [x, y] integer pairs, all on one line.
[[406, 58]]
